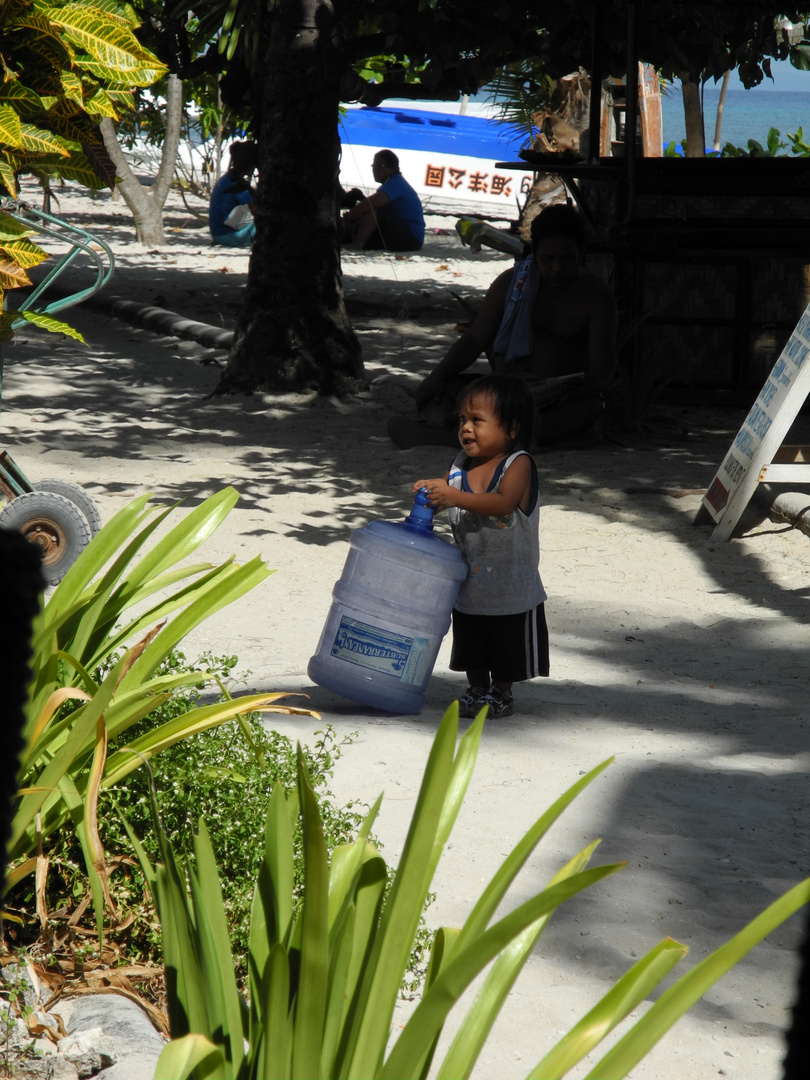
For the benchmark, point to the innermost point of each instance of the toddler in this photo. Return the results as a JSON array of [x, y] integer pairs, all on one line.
[[499, 624]]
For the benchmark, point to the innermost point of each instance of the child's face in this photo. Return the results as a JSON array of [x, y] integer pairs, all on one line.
[[480, 431]]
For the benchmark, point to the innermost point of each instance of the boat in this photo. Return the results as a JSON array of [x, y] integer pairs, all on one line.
[[448, 156]]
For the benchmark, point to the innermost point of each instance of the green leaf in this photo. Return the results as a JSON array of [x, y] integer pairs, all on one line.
[[9, 126], [429, 1016], [477, 1024], [403, 907], [55, 326], [192, 1056], [23, 252], [491, 897], [108, 40], [679, 998], [274, 1052], [310, 1004], [226, 1009], [631, 989]]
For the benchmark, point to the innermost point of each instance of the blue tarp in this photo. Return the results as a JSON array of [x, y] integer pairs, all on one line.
[[417, 129]]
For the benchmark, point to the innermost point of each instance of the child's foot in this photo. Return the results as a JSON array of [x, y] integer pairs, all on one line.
[[472, 702], [499, 702]]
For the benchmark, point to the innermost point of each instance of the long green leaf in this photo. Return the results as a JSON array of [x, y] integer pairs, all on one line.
[[345, 864], [182, 727], [679, 998], [369, 894], [504, 876], [98, 552], [429, 1016], [274, 1053], [216, 949], [403, 907], [219, 595], [310, 1005], [477, 1024], [631, 989], [184, 538], [444, 942], [48, 779]]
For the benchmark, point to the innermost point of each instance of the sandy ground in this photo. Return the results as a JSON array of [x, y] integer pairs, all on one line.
[[684, 658]]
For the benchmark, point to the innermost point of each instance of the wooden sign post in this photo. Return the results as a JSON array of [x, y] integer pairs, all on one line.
[[757, 454]]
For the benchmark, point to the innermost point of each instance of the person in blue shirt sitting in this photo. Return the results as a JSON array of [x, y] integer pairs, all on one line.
[[230, 211], [391, 218]]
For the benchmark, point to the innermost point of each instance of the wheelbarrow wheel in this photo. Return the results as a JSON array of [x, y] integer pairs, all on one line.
[[52, 522], [76, 495]]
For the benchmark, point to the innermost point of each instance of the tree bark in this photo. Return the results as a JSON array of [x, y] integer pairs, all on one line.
[[693, 115], [293, 332], [146, 203], [721, 104]]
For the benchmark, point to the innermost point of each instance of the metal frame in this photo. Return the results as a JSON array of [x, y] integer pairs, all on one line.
[[13, 480]]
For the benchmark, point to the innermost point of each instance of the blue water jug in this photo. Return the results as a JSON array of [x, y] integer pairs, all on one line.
[[390, 611]]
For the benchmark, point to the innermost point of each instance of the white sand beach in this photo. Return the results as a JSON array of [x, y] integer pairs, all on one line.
[[683, 658]]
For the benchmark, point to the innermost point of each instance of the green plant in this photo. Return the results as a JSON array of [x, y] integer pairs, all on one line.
[[82, 652], [324, 974], [798, 147]]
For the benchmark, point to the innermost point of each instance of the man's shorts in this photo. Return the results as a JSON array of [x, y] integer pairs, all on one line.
[[512, 648]]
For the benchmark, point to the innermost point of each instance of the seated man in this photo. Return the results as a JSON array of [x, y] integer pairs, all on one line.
[[548, 321], [230, 210], [391, 218]]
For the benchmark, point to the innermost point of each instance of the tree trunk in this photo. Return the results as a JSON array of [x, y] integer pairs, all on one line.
[[146, 203], [693, 115], [293, 332], [721, 104]]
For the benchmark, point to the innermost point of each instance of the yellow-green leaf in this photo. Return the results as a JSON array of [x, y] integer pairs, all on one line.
[[11, 229], [37, 141], [112, 43], [54, 325], [101, 104], [23, 252], [72, 86], [144, 73], [25, 101], [9, 126], [12, 276]]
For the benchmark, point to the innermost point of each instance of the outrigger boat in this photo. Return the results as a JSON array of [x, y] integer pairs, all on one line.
[[448, 157]]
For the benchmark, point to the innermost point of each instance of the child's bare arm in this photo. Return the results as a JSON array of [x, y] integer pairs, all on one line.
[[514, 485]]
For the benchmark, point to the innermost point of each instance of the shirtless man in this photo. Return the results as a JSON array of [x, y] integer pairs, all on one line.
[[547, 320]]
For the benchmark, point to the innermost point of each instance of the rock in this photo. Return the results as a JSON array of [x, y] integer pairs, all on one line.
[[49, 1067], [114, 1029], [90, 1050]]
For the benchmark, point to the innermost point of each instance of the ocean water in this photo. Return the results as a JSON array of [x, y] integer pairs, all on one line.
[[748, 114]]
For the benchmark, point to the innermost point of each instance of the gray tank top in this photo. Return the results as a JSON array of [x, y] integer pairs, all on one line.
[[502, 553]]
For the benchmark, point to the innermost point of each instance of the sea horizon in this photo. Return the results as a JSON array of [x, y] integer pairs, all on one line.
[[746, 115]]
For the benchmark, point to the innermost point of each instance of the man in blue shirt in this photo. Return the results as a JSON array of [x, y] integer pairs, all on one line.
[[232, 192], [391, 218]]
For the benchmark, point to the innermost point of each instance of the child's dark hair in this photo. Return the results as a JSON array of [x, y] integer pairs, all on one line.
[[511, 401], [558, 221]]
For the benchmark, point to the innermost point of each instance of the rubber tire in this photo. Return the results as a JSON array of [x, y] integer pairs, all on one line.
[[76, 495], [52, 522]]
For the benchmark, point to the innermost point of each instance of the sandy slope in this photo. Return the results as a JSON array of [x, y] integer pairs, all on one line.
[[685, 659]]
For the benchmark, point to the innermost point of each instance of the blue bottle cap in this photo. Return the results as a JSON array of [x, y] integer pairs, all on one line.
[[421, 515]]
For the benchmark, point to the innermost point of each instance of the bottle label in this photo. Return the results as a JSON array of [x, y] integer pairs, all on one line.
[[403, 657]]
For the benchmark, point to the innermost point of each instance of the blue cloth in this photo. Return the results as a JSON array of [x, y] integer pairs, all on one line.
[[405, 205], [514, 337], [239, 238], [226, 196]]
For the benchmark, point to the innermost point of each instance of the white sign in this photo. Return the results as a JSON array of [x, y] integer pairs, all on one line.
[[750, 460]]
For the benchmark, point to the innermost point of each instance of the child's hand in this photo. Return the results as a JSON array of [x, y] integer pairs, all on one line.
[[439, 493]]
